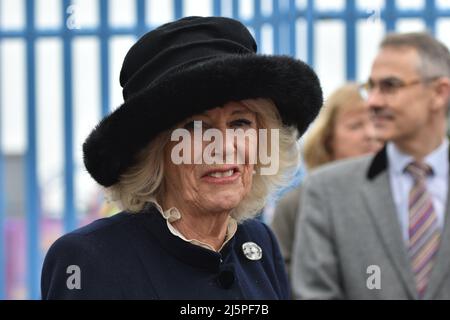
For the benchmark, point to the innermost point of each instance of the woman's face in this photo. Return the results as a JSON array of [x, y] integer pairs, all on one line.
[[211, 188], [354, 134]]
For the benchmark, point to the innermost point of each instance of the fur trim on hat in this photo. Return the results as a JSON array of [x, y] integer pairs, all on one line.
[[112, 146]]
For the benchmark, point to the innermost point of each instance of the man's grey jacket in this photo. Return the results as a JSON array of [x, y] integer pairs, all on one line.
[[348, 230]]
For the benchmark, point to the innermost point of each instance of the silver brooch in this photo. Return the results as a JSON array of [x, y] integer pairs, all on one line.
[[252, 251]]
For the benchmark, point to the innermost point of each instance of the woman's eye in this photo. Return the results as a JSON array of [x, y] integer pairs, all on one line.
[[241, 123], [355, 125]]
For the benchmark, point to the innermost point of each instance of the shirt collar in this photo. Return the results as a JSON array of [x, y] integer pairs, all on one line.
[[438, 159], [173, 214]]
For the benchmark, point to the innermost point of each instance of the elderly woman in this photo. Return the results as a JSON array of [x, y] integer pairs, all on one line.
[[186, 230], [343, 129]]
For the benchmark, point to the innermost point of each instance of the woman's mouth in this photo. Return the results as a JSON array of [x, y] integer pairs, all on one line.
[[222, 176], [225, 174]]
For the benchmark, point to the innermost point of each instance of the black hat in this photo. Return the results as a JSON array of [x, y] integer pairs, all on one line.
[[184, 68]]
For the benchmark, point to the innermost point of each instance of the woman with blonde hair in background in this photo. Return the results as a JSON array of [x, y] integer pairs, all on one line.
[[342, 130]]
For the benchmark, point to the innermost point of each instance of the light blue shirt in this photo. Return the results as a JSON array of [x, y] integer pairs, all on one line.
[[402, 182]]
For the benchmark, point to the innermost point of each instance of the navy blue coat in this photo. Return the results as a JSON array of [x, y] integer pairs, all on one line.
[[134, 256]]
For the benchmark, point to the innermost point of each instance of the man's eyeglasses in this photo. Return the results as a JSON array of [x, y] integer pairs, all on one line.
[[390, 86]]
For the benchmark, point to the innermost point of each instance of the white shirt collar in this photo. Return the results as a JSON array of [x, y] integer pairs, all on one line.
[[173, 214]]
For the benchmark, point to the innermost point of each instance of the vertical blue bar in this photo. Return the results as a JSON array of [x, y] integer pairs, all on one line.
[[292, 28], [2, 213], [140, 16], [350, 32], [235, 9], [178, 9], [104, 57], [430, 16], [276, 26], [390, 15], [31, 183], [257, 21], [310, 31], [70, 222], [216, 8], [284, 26]]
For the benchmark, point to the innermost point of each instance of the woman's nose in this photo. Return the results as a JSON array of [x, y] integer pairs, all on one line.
[[227, 148], [229, 143]]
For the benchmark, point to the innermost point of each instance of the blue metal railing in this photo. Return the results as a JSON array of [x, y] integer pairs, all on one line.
[[2, 227], [31, 183], [283, 21], [69, 195], [2, 217]]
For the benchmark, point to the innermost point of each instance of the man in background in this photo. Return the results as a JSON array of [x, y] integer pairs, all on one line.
[[379, 227]]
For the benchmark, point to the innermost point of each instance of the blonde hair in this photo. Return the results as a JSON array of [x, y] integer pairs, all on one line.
[[317, 148], [144, 181]]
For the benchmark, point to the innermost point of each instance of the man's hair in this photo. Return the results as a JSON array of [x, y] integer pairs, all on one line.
[[434, 55]]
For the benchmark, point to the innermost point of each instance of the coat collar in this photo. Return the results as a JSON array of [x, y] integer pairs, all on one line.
[[189, 253], [380, 163]]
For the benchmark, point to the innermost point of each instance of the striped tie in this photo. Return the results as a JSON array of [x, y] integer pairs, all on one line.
[[424, 233]]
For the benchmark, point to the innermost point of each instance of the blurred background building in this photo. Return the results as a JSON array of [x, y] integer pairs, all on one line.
[[59, 71]]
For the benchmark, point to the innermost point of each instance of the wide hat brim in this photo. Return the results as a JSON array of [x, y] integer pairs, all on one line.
[[112, 146]]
